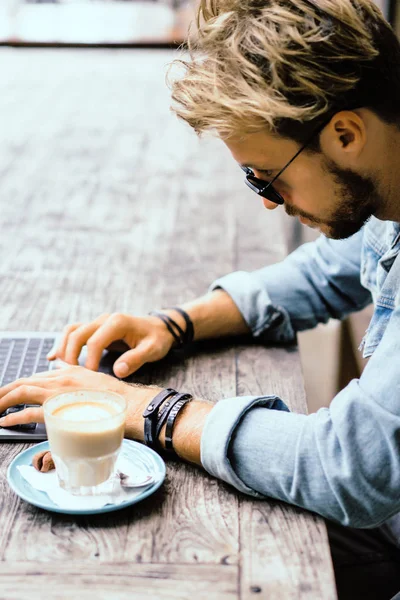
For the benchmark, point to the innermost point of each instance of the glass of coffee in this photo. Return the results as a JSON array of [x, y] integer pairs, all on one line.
[[85, 429]]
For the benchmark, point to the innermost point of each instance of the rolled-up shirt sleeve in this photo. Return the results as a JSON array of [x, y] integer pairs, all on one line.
[[342, 462], [319, 281], [226, 420]]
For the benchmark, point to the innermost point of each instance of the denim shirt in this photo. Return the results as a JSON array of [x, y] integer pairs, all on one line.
[[342, 462]]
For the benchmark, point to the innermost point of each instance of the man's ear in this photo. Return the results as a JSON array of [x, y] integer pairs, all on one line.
[[344, 138]]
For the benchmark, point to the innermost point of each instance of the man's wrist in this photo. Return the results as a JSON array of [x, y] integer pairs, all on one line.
[[176, 316], [215, 315], [188, 425], [188, 429], [138, 398]]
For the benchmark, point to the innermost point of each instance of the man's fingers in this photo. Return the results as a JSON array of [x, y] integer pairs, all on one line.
[[132, 360], [19, 383], [45, 379], [75, 342], [24, 394], [61, 345], [112, 330], [28, 415], [78, 338]]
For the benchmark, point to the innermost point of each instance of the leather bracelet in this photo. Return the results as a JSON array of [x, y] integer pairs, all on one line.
[[151, 413], [189, 333], [169, 323], [184, 399], [163, 416]]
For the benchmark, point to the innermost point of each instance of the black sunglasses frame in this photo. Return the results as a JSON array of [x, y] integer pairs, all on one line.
[[266, 188]]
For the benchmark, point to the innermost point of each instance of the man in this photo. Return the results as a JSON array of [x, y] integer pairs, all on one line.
[[305, 95]]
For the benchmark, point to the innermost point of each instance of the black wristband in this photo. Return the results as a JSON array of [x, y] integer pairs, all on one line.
[[170, 323], [151, 413], [184, 399], [189, 333], [163, 415]]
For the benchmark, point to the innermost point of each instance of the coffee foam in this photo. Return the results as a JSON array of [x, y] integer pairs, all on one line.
[[85, 411]]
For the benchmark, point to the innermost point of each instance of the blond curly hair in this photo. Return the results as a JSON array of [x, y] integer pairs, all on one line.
[[283, 65]]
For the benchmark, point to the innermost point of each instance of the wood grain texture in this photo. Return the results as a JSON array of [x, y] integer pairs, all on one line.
[[110, 204], [115, 581], [283, 549], [284, 553]]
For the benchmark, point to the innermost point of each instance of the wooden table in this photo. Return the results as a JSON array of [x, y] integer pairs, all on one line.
[[110, 203]]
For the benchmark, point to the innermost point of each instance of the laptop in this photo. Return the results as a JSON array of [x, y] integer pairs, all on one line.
[[21, 355]]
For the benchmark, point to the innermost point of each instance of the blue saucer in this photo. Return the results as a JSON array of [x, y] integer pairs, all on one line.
[[146, 458]]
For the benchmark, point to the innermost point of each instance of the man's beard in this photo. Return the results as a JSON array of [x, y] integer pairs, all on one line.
[[358, 199]]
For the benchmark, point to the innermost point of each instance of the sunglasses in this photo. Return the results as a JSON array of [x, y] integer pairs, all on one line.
[[265, 188]]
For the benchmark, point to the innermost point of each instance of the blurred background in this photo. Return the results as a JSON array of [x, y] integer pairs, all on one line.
[[329, 353], [104, 22], [94, 22]]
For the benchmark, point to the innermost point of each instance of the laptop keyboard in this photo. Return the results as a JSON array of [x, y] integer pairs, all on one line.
[[22, 357]]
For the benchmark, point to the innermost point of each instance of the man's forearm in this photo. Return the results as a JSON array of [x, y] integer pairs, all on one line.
[[188, 429], [213, 315], [188, 425]]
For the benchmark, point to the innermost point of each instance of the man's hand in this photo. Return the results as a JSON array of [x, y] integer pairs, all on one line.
[[146, 338], [38, 388]]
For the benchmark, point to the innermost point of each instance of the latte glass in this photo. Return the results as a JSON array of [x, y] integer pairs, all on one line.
[[85, 429]]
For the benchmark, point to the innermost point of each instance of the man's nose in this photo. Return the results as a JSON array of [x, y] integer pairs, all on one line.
[[270, 205]]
